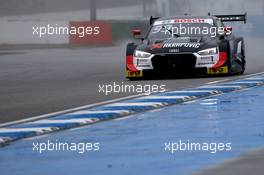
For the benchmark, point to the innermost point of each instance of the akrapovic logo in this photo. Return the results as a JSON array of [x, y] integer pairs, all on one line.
[[187, 45]]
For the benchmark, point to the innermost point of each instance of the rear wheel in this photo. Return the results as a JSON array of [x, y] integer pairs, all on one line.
[[229, 67], [243, 64], [243, 67]]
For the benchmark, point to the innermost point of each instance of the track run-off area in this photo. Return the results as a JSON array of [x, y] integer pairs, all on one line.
[[60, 86]]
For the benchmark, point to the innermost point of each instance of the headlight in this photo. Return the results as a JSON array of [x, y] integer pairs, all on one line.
[[210, 51], [141, 54]]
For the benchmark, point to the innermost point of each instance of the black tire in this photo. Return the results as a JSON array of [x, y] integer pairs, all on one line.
[[225, 47], [129, 51], [243, 64], [132, 79], [243, 67]]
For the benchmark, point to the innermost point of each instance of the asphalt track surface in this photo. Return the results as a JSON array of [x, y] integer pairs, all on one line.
[[248, 163], [135, 144], [40, 81]]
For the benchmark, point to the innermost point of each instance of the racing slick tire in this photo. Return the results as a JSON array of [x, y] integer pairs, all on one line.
[[243, 64]]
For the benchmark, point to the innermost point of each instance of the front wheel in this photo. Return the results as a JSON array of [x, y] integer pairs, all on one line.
[[243, 64], [243, 67]]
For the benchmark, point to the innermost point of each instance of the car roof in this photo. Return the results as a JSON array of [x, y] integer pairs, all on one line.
[[154, 21], [187, 17]]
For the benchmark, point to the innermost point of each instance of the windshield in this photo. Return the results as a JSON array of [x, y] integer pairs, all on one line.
[[183, 28]]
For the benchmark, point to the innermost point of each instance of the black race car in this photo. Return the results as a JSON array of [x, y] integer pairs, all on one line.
[[187, 45]]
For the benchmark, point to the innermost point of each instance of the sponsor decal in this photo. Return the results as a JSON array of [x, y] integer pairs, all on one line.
[[187, 45], [156, 46], [219, 70], [171, 45], [198, 20], [191, 20], [134, 73], [206, 63]]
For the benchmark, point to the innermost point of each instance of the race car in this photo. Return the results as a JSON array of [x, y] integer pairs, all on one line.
[[187, 45]]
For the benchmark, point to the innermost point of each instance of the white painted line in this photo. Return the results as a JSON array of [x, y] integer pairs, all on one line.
[[255, 78], [190, 102], [166, 97], [99, 112], [250, 75], [38, 130], [136, 104], [219, 81], [68, 111], [210, 99], [223, 86], [84, 121], [93, 105], [2, 139], [124, 118], [245, 82], [208, 103], [193, 91]]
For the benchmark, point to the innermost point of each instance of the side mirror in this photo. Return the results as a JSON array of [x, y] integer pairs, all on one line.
[[136, 32], [228, 30]]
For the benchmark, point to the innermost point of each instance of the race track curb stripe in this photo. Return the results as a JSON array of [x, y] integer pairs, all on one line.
[[121, 109]]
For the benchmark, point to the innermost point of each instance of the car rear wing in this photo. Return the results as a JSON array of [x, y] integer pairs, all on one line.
[[230, 18], [152, 20]]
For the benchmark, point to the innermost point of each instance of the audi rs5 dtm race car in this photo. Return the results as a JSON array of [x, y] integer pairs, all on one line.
[[187, 45]]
